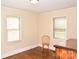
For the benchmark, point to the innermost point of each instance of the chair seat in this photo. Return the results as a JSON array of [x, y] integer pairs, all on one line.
[[46, 44]]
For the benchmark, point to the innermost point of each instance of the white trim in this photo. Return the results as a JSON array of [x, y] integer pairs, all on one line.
[[10, 53]]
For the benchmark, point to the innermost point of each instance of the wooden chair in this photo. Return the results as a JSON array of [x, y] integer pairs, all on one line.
[[45, 42]]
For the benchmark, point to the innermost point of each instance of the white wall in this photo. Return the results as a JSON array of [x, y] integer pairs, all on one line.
[[28, 29], [34, 25], [46, 24]]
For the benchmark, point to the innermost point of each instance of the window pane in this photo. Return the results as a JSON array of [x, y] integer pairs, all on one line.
[[60, 23], [60, 35], [13, 35], [12, 22]]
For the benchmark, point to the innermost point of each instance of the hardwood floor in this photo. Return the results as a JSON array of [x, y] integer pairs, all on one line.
[[35, 53]]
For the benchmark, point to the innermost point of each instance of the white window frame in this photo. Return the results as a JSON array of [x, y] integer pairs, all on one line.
[[54, 26], [14, 29]]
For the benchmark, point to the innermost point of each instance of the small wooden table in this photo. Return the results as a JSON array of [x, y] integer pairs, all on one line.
[[65, 52]]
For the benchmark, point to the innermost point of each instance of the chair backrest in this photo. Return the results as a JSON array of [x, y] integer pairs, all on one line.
[[45, 39]]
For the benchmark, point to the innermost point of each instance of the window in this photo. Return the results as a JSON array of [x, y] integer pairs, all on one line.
[[13, 28], [60, 27]]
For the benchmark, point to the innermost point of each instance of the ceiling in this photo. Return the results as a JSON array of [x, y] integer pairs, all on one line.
[[42, 6]]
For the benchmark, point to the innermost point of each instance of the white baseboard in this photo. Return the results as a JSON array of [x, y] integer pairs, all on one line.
[[10, 53]]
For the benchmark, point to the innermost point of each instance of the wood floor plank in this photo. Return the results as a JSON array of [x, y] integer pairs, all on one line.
[[35, 53]]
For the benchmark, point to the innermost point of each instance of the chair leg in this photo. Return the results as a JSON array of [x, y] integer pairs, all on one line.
[[48, 50], [43, 49]]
